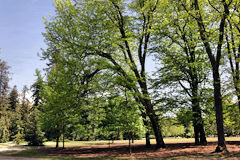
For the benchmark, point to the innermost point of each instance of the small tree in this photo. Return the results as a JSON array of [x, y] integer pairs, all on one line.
[[18, 137]]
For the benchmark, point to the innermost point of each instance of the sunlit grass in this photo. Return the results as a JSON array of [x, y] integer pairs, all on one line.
[[102, 142]]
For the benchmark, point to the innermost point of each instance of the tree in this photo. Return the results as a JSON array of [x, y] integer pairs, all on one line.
[[4, 103], [37, 88], [33, 134], [183, 61], [208, 34], [25, 108], [103, 30], [233, 47], [13, 98], [14, 111], [67, 85]]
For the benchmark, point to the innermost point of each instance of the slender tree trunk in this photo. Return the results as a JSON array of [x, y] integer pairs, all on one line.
[[132, 137], [63, 141], [219, 111], [57, 141], [129, 143], [58, 135], [63, 136]]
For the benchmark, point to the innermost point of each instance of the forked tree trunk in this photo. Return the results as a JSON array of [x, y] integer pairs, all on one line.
[[199, 133]]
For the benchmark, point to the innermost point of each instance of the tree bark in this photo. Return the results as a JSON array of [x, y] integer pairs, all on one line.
[[203, 140], [219, 110], [197, 117], [148, 144], [132, 137], [146, 124]]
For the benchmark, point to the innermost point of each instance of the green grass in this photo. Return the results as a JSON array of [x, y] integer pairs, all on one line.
[[166, 140]]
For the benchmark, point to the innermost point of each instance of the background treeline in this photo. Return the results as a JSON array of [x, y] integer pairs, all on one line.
[[18, 117], [96, 85]]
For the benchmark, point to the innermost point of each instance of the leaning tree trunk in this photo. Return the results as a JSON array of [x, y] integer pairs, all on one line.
[[155, 123]]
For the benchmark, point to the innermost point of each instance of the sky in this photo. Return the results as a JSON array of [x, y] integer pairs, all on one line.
[[21, 25]]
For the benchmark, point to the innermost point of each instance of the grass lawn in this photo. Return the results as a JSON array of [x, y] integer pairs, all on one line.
[[166, 140], [33, 152]]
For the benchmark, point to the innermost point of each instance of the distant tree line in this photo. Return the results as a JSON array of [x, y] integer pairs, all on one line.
[[18, 117]]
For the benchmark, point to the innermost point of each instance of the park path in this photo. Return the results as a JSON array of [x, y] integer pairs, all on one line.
[[19, 158]]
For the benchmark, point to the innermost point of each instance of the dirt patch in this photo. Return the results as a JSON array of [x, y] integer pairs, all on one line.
[[11, 149], [172, 150]]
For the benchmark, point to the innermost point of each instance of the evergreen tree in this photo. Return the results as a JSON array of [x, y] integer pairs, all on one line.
[[33, 134], [13, 98], [4, 103], [14, 111]]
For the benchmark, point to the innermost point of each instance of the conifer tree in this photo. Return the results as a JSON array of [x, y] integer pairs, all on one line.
[[4, 107], [14, 111]]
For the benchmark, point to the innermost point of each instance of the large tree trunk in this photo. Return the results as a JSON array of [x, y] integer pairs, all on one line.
[[196, 132], [148, 144], [219, 111], [203, 140]]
